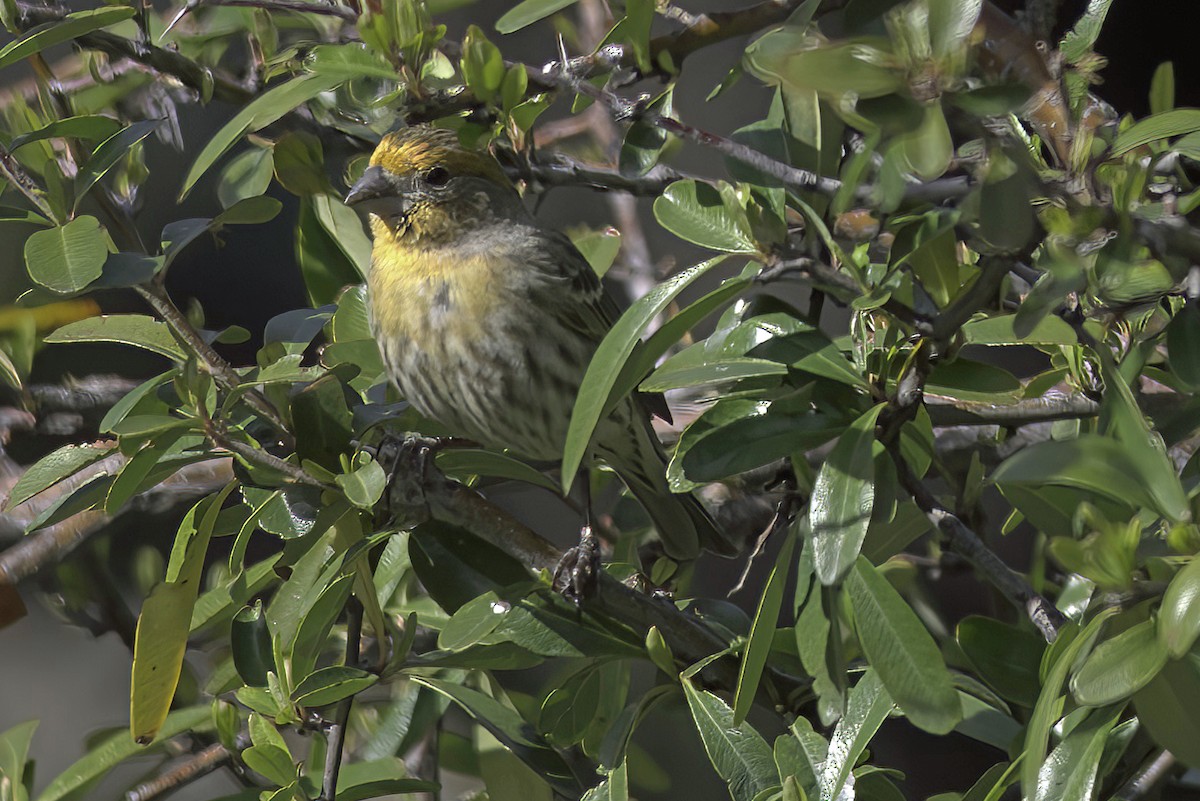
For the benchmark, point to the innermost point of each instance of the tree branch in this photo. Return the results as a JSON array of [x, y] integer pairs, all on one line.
[[336, 733], [947, 412], [966, 543], [50, 545], [194, 767]]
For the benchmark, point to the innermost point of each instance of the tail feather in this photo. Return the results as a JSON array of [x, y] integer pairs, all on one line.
[[683, 524]]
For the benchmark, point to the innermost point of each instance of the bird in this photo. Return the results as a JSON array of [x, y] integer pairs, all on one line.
[[487, 320]]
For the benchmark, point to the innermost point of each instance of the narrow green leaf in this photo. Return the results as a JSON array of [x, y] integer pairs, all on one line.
[[1049, 703], [1070, 772], [609, 361], [164, 623], [473, 621], [843, 497], [88, 126], [464, 462], [117, 747], [138, 330], [67, 258], [1162, 88], [54, 467], [902, 651], [762, 632], [331, 684], [507, 726], [1004, 656], [1156, 127], [867, 707], [529, 12], [739, 753], [108, 153], [71, 27], [259, 113]]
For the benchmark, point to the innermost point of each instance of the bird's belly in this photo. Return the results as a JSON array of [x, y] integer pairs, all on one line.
[[495, 378]]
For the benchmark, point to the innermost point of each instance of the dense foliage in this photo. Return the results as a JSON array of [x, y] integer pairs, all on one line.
[[945, 192]]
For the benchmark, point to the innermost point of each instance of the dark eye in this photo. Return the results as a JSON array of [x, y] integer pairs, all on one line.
[[437, 176]]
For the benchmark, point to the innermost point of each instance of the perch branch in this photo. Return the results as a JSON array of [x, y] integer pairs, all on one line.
[[194, 767], [337, 730]]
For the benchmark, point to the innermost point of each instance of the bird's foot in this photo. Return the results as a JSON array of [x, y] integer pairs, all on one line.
[[577, 575], [408, 460]]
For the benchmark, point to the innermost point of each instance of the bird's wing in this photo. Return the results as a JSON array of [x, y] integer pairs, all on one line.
[[597, 313]]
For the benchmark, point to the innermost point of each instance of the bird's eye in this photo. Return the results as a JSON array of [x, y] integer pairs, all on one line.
[[437, 176]]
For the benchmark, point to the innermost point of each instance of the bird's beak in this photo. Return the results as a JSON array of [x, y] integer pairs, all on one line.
[[375, 184]]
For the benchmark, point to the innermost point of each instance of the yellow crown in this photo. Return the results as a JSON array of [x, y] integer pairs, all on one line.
[[421, 147]]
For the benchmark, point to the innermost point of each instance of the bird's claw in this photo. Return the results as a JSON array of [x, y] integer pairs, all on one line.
[[577, 574]]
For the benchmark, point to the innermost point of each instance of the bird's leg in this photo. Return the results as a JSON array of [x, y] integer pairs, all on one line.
[[577, 575]]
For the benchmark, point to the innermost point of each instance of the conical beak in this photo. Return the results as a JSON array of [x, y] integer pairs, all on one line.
[[375, 184]]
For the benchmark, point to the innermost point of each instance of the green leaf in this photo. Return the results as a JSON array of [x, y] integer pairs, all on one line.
[[165, 621], [1119, 666], [902, 651], [706, 215], [364, 486], [739, 753], [600, 248], [512, 730], [14, 753], [115, 748], [473, 621], [1090, 462], [1049, 703], [1000, 331], [246, 175], [644, 143], [482, 64], [800, 60], [67, 258], [1162, 88], [464, 462], [610, 360], [1005, 656], [1183, 345], [1156, 127], [8, 214], [529, 12], [71, 27], [1070, 772], [1167, 708], [720, 370], [258, 113], [53, 468], [316, 623], [1080, 39], [331, 684], [108, 153], [90, 127], [843, 497], [762, 632], [925, 152], [867, 707], [250, 642], [1179, 615], [950, 23], [379, 788], [138, 330]]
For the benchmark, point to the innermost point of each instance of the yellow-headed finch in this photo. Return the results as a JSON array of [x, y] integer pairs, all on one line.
[[487, 321]]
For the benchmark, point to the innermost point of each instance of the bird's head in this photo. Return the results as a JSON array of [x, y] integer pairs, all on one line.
[[423, 186]]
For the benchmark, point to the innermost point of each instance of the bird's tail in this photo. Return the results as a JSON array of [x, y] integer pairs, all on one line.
[[683, 524]]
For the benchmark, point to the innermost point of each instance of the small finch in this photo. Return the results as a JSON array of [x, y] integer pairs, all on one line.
[[487, 321]]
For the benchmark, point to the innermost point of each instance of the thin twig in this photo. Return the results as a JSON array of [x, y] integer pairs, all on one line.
[[1147, 777], [966, 543], [194, 767], [222, 371], [336, 734], [24, 183]]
